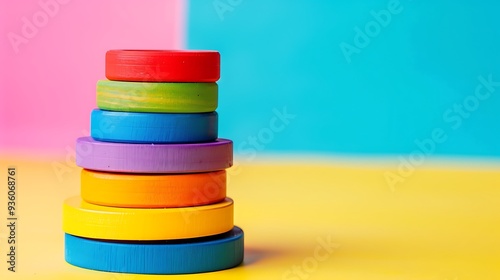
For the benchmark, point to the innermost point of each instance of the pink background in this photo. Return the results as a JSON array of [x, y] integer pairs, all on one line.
[[47, 88]]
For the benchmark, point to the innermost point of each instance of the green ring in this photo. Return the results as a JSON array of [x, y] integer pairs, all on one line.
[[157, 97]]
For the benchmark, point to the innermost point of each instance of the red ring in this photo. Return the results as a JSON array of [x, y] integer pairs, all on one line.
[[163, 66]]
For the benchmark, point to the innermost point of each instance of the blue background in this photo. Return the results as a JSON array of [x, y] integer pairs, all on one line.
[[394, 91]]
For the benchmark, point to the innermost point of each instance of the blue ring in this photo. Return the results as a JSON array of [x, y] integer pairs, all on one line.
[[128, 127], [194, 255]]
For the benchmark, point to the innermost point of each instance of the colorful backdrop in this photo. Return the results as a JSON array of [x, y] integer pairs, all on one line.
[[324, 77]]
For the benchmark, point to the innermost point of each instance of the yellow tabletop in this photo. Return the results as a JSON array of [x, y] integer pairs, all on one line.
[[303, 219]]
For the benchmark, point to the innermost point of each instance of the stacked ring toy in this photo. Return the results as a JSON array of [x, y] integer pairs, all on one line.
[[153, 184]]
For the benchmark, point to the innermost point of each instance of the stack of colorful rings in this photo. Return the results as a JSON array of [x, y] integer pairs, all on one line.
[[153, 185]]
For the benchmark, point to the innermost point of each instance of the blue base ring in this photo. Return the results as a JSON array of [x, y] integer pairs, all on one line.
[[127, 127], [195, 255]]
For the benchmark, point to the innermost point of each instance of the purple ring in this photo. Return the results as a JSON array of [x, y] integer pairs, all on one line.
[[154, 158]]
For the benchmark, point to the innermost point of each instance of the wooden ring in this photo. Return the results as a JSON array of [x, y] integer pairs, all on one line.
[[152, 190]]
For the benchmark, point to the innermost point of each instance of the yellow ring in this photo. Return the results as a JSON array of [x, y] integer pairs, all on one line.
[[101, 222], [152, 190]]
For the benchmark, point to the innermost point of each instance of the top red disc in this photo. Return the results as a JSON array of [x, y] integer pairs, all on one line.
[[163, 66]]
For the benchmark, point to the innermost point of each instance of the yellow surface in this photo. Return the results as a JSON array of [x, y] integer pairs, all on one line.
[[440, 223]]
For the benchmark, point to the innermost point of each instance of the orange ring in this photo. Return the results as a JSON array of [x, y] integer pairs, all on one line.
[[153, 190]]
